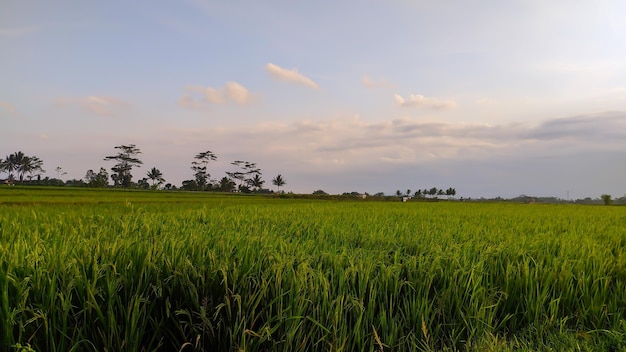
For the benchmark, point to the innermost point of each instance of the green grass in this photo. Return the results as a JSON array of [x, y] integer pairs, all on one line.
[[102, 270]]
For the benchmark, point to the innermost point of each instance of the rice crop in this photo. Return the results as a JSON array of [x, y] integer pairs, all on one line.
[[85, 270]]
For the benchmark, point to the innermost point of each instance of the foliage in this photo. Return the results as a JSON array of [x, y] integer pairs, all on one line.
[[127, 270], [279, 181], [226, 185], [126, 160], [606, 198], [99, 180], [256, 182], [23, 164], [245, 172], [199, 166], [156, 176]]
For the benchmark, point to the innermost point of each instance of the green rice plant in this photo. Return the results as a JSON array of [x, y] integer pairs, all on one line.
[[106, 270]]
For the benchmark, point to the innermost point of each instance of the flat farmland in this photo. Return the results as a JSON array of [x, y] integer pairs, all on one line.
[[107, 270]]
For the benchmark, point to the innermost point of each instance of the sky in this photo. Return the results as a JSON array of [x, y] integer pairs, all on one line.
[[493, 98]]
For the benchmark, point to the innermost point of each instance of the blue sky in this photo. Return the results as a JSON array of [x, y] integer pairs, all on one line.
[[491, 97]]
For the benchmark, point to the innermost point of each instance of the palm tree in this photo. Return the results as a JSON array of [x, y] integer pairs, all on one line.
[[12, 163], [256, 182], [32, 165], [278, 181], [155, 175]]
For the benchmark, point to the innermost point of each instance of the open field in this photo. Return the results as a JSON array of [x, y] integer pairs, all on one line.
[[103, 270]]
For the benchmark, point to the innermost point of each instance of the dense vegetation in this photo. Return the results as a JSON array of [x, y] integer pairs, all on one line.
[[107, 270]]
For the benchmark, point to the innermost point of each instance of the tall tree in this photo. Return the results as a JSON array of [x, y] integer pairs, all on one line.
[[23, 164], [278, 181], [245, 173], [126, 160], [199, 165], [156, 176], [11, 163], [32, 166], [256, 182], [15, 162]]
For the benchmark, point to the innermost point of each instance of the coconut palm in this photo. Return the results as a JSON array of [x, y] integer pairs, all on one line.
[[278, 181], [156, 176], [256, 182], [12, 163]]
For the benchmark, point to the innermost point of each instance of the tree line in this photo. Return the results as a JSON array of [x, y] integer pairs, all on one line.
[[246, 177], [432, 192]]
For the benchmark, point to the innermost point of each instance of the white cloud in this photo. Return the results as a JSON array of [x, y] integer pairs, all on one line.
[[370, 83], [420, 101], [231, 92], [291, 75], [99, 105]]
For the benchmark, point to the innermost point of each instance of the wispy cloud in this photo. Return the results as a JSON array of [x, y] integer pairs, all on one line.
[[8, 107], [290, 75], [99, 105], [420, 101], [598, 67], [200, 97], [352, 141], [371, 83], [16, 32]]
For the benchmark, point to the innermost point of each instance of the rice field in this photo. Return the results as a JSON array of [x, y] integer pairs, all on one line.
[[104, 270]]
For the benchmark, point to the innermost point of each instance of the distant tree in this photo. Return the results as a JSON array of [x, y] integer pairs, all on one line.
[[33, 166], [319, 191], [606, 198], [126, 160], [432, 191], [156, 176], [75, 183], [23, 164], [408, 192], [11, 163], [379, 194], [278, 181], [226, 185], [60, 172], [256, 182], [189, 185], [398, 193], [246, 171], [451, 192], [143, 183], [199, 165], [99, 180], [418, 194]]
